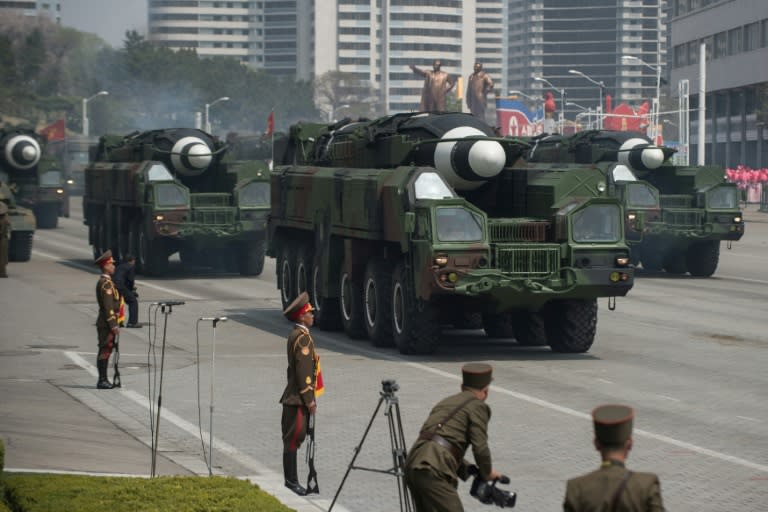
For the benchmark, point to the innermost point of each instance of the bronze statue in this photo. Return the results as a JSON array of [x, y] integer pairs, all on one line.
[[436, 85], [479, 85]]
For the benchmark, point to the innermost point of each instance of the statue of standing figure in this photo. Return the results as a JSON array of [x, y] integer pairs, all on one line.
[[436, 85], [479, 85]]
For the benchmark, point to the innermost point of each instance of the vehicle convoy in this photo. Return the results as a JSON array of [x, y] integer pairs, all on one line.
[[676, 216], [400, 225], [159, 192], [74, 154], [22, 225], [36, 179]]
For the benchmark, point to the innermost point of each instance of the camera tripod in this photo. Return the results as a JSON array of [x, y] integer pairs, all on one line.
[[396, 441]]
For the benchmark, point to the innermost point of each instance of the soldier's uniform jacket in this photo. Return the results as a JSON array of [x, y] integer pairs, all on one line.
[[469, 425], [300, 389], [594, 491], [109, 303]]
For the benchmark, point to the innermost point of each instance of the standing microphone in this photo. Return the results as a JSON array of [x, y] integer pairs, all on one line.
[[169, 303], [214, 318]]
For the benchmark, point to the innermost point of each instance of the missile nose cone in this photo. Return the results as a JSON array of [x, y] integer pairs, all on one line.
[[487, 158], [191, 156], [638, 154], [652, 157], [29, 153], [22, 152]]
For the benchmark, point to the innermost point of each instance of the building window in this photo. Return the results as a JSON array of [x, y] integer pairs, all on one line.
[[721, 45], [764, 32], [751, 36], [735, 39]]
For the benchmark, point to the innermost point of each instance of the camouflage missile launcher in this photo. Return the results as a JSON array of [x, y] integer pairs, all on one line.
[[176, 190], [22, 225], [36, 179], [401, 225], [676, 216]]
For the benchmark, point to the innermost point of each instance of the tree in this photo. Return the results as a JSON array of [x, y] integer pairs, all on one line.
[[335, 90]]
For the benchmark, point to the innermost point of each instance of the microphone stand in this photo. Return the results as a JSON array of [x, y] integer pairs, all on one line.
[[215, 321], [166, 308]]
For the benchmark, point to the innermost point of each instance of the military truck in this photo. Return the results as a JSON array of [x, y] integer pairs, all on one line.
[[36, 179], [172, 190], [676, 216], [22, 225], [399, 226], [74, 154]]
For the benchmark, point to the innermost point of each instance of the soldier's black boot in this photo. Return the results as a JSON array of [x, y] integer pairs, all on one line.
[[103, 382], [291, 474]]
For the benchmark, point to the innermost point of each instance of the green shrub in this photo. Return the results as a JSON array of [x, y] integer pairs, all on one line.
[[48, 493]]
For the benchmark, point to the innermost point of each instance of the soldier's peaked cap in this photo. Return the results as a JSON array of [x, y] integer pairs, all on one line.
[[104, 259], [613, 424], [476, 375], [298, 307]]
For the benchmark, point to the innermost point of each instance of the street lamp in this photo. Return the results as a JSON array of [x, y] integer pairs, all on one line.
[[562, 100], [85, 110], [655, 109], [332, 112], [601, 85], [584, 112], [208, 109], [521, 93]]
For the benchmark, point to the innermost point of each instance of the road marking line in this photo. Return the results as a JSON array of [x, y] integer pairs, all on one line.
[[665, 397], [571, 412], [270, 481], [748, 418], [63, 472], [605, 380]]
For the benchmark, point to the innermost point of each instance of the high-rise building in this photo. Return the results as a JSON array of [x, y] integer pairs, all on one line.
[[31, 8], [735, 35], [546, 39]]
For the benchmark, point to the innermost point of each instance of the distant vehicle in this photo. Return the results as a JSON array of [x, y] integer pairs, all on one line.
[[159, 192], [36, 178], [74, 153], [22, 225], [676, 215], [401, 225]]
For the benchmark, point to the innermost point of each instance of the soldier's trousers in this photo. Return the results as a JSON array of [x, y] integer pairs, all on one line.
[[294, 423], [431, 493], [106, 342]]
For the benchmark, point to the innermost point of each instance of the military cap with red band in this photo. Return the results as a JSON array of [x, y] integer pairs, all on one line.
[[300, 306], [104, 259]]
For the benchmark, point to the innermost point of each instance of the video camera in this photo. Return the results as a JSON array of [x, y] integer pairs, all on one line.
[[487, 492], [389, 386]]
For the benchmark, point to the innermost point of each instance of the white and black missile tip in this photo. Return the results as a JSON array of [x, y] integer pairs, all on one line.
[[191, 156], [22, 151], [468, 164], [639, 155]]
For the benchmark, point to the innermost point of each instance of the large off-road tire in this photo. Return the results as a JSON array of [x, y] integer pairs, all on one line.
[[286, 276], [466, 320], [250, 260], [351, 305], [571, 325], [674, 262], [530, 329], [133, 244], [152, 255], [415, 323], [652, 258], [99, 236], [703, 257], [498, 325], [377, 303], [47, 216], [304, 272], [327, 315], [20, 246]]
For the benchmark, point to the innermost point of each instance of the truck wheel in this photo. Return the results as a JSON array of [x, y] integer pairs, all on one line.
[[571, 325], [303, 269], [286, 270], [20, 246], [498, 325], [674, 262], [351, 305], [529, 328], [377, 296], [702, 258], [467, 320], [47, 216], [415, 324], [326, 309], [251, 258], [652, 259], [154, 260], [99, 233]]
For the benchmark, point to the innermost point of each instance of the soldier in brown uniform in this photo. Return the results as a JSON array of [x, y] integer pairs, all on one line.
[[106, 323], [5, 234], [613, 488], [436, 460], [436, 85], [299, 396]]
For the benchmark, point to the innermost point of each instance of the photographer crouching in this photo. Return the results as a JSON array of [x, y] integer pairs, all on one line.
[[436, 460]]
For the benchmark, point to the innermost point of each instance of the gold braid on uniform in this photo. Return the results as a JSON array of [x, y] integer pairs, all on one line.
[[109, 288], [297, 344]]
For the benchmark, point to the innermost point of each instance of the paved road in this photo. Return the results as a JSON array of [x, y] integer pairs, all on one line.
[[690, 354]]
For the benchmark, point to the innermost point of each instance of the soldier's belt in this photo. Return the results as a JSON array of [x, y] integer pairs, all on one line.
[[437, 438]]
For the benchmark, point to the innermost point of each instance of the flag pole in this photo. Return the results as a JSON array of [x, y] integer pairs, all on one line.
[[272, 143]]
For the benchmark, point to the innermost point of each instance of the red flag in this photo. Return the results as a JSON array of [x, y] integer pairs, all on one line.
[[55, 131], [319, 383], [270, 124]]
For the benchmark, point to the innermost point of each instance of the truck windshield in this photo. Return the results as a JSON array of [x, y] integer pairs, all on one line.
[[640, 195], [429, 185], [50, 179], [722, 198], [158, 172], [170, 194], [255, 194], [458, 225], [597, 223]]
